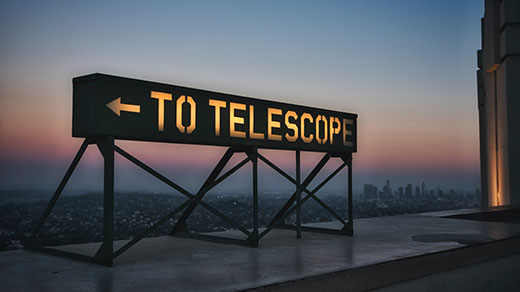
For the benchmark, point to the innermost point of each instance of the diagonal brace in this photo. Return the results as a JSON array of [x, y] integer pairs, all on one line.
[[181, 223], [304, 189], [311, 194], [197, 198], [305, 183], [60, 188], [308, 196]]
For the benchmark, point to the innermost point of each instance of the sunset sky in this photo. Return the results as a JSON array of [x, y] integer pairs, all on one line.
[[407, 68]]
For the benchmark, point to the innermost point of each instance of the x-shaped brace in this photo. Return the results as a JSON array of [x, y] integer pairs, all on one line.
[[289, 207]]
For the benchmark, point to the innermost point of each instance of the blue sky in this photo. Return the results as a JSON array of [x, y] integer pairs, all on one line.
[[406, 67]]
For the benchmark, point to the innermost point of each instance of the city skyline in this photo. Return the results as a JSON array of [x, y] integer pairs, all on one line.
[[407, 191]]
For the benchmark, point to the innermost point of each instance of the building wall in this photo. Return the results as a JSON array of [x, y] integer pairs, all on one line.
[[495, 275], [498, 79]]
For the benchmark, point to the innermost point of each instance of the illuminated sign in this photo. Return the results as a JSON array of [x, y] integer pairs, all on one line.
[[131, 109]]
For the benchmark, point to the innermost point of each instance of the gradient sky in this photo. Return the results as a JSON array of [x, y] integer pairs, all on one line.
[[407, 68]]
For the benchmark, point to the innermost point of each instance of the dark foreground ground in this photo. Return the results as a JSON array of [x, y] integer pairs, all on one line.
[[422, 252]]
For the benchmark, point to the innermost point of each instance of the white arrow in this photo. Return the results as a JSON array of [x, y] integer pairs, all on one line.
[[116, 106]]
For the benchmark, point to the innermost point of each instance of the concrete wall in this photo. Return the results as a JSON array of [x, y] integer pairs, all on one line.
[[495, 275], [499, 102]]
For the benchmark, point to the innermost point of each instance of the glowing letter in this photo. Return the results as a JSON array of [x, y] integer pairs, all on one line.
[[236, 120], [347, 132], [252, 134], [161, 97], [306, 116], [325, 129], [193, 106], [334, 130], [273, 124], [291, 126], [218, 104]]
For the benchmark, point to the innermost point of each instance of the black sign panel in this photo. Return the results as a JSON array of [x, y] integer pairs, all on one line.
[[131, 109]]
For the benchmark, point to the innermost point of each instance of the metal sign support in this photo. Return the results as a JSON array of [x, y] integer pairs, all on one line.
[[106, 254]]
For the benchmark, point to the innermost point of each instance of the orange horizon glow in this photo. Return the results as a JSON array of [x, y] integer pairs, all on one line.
[[400, 145], [420, 155]]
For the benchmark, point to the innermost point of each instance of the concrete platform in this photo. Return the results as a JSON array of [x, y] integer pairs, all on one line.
[[389, 253]]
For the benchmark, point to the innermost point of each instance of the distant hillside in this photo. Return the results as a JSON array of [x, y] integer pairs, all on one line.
[[22, 196], [33, 195]]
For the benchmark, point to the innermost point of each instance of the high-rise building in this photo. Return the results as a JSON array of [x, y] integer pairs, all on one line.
[[401, 193], [499, 103], [424, 192], [370, 192], [408, 191], [453, 194], [417, 191], [387, 190]]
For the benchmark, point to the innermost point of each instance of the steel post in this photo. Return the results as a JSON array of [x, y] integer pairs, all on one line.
[[106, 252], [255, 196], [298, 197]]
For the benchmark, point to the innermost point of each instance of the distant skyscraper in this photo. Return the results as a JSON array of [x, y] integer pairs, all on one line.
[[370, 192], [417, 191], [408, 191], [424, 192], [401, 193], [387, 190], [453, 194]]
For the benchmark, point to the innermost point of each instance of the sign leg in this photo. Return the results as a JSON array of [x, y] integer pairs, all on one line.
[[106, 252], [255, 197], [298, 197], [350, 211]]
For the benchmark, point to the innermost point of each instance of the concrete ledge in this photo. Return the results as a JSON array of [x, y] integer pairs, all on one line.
[[404, 270], [384, 252]]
